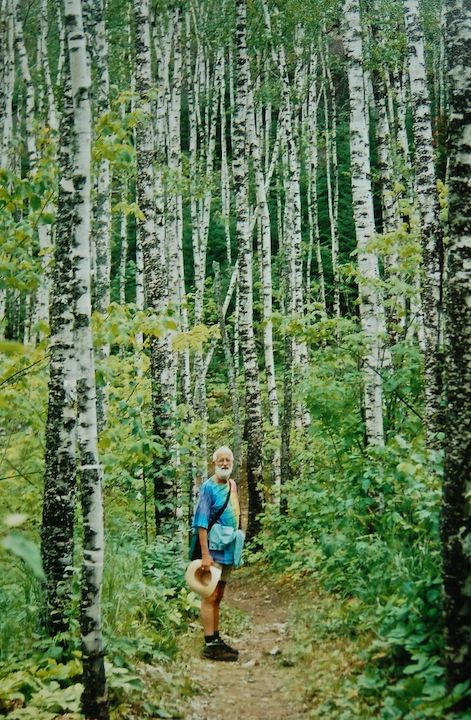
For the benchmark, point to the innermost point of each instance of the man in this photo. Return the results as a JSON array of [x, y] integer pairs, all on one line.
[[214, 493]]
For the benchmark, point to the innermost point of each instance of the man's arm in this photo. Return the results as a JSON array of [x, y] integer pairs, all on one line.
[[206, 559]]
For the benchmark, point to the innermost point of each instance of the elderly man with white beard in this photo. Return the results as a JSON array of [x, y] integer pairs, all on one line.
[[217, 493]]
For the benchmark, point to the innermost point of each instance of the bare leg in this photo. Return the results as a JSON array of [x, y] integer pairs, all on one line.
[[210, 610], [219, 593], [207, 614]]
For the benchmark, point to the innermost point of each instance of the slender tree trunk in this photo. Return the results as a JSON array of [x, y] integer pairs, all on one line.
[[312, 208], [7, 82], [94, 701], [102, 205], [46, 68], [370, 302], [456, 515], [331, 172], [231, 376], [29, 87], [431, 231], [152, 241], [254, 423], [57, 532], [266, 277]]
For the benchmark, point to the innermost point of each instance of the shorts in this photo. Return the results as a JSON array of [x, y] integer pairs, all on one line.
[[226, 571]]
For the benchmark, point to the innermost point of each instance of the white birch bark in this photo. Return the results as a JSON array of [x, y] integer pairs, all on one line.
[[101, 236], [312, 203], [430, 228], [7, 82], [46, 68], [123, 245], [225, 183], [152, 240], [240, 172], [455, 512], [94, 700], [254, 142], [57, 530], [30, 104], [331, 172], [173, 219], [231, 375], [370, 300]]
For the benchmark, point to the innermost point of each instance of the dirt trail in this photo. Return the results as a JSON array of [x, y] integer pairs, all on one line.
[[256, 687]]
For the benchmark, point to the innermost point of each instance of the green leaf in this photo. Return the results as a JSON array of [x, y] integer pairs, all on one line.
[[27, 551]]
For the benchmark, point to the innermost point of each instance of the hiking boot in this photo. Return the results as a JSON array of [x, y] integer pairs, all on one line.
[[227, 647], [218, 650]]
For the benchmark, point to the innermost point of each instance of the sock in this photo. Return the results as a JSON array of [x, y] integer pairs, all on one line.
[[209, 639], [216, 635]]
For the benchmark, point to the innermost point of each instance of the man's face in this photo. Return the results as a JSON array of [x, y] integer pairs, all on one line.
[[223, 465]]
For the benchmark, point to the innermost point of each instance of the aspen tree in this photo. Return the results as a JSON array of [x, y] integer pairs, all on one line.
[[94, 700], [455, 515], [253, 405], [370, 300], [430, 228]]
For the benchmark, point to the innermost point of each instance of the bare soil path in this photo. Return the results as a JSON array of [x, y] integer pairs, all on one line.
[[257, 686]]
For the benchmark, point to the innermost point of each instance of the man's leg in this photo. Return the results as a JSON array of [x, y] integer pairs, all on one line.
[[218, 596], [208, 614], [215, 647]]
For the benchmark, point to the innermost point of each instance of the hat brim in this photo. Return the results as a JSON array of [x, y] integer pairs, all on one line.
[[203, 582]]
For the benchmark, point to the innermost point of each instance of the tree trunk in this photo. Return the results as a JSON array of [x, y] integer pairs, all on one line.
[[94, 701], [57, 532], [430, 228], [7, 82], [254, 423], [152, 240], [371, 313], [102, 204], [231, 376], [456, 515]]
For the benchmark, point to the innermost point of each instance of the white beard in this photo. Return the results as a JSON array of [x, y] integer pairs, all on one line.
[[223, 473]]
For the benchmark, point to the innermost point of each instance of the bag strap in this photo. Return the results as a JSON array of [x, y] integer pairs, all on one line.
[[221, 510]]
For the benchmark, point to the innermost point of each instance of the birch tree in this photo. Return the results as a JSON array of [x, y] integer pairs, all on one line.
[[254, 424], [151, 237], [94, 701], [57, 532], [456, 516], [430, 228], [370, 301], [102, 205]]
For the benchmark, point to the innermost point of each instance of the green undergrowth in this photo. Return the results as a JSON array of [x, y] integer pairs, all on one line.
[[368, 534], [146, 608]]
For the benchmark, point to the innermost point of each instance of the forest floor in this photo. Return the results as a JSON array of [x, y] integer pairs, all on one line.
[[281, 674]]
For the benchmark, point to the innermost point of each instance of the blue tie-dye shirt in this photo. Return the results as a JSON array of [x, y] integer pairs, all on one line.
[[212, 497]]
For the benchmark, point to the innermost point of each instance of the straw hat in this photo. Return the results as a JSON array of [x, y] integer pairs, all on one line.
[[202, 581]]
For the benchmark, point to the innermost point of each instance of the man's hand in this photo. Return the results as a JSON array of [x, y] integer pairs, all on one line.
[[206, 562]]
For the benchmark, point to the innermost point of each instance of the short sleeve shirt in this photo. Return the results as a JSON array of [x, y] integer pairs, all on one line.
[[211, 498]]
